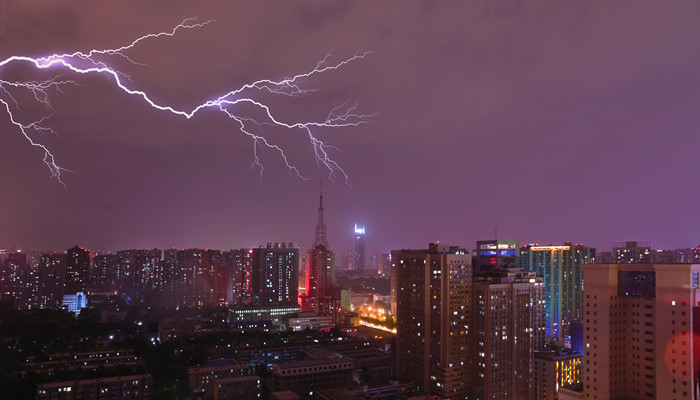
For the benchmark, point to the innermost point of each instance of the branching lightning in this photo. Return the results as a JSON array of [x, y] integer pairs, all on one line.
[[96, 62]]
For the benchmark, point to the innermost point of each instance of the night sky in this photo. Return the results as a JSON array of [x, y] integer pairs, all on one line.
[[552, 121]]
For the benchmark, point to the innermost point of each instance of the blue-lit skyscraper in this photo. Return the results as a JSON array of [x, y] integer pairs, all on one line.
[[562, 270], [359, 258]]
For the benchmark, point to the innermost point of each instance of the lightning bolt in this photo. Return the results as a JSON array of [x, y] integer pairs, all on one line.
[[95, 61]]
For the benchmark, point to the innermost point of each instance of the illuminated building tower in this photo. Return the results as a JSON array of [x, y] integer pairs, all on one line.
[[104, 271], [359, 259], [189, 261], [320, 269], [52, 275], [12, 277], [642, 331], [384, 264], [138, 267], [140, 274], [505, 330], [203, 287], [275, 274], [433, 318], [77, 270], [169, 272], [221, 283], [562, 270], [492, 254], [632, 252], [240, 277]]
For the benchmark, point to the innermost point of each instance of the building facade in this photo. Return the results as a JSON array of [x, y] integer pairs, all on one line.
[[642, 324], [433, 318], [506, 329], [562, 270], [135, 387], [275, 274], [632, 252], [555, 369], [492, 254]]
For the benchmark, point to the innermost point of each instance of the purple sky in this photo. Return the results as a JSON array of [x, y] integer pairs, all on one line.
[[552, 121]]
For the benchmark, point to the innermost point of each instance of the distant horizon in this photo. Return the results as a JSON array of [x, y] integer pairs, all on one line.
[[301, 249]]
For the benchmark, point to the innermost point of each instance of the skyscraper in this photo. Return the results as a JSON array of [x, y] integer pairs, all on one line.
[[169, 272], [139, 273], [433, 318], [240, 276], [505, 329], [359, 258], [104, 271], [641, 331], [52, 275], [77, 270], [275, 274], [320, 268], [12, 276], [562, 270], [188, 262]]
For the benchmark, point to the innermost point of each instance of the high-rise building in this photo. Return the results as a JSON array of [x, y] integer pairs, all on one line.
[[359, 256], [77, 270], [168, 274], [393, 286], [632, 252], [562, 270], [505, 330], [433, 318], [189, 262], [492, 254], [138, 267], [241, 277], [12, 277], [384, 265], [275, 274], [320, 269], [104, 271], [139, 274], [52, 275], [203, 287], [641, 331]]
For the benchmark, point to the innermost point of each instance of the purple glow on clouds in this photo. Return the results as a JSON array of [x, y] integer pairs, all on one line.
[[551, 122]]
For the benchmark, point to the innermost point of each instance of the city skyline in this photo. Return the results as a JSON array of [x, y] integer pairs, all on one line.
[[547, 123]]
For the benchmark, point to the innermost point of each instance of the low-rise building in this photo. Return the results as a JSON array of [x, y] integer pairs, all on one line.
[[324, 368], [275, 313], [308, 319], [82, 360], [238, 388], [202, 379], [133, 387]]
